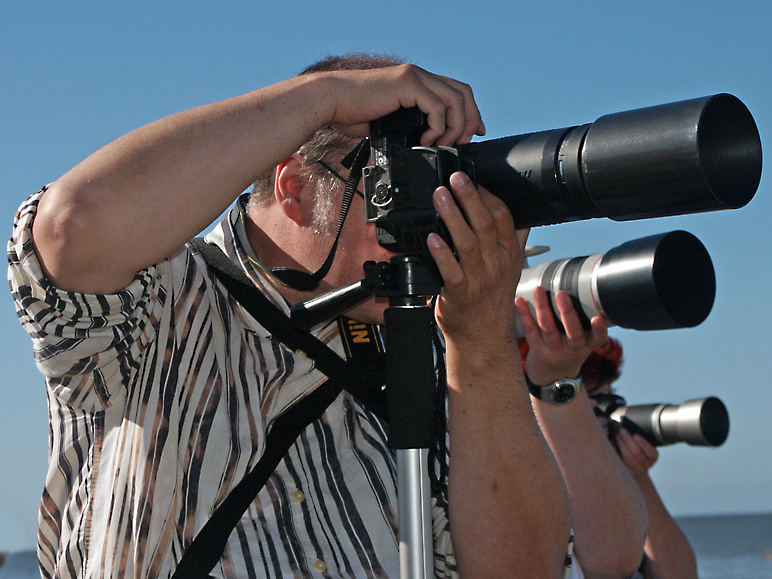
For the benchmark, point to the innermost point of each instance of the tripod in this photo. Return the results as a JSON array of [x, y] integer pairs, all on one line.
[[410, 380]]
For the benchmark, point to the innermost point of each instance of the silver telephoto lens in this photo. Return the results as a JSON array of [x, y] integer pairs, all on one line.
[[577, 276], [699, 422], [654, 283]]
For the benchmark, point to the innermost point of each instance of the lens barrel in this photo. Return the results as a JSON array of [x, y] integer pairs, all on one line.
[[658, 282], [690, 156], [699, 422]]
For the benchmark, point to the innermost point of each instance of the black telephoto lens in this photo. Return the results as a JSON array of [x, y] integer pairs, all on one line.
[[690, 156]]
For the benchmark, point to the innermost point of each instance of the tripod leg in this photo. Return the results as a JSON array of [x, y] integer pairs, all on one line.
[[416, 550], [410, 382]]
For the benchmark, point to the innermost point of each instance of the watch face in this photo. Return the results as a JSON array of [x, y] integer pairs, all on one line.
[[563, 391]]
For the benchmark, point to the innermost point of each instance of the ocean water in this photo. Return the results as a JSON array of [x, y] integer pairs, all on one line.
[[731, 546], [727, 547]]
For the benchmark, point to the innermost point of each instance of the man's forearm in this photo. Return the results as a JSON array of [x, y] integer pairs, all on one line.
[[138, 199], [508, 506]]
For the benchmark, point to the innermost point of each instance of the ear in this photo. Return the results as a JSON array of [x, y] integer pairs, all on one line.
[[289, 189]]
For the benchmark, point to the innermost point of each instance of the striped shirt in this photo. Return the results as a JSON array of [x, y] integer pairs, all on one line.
[[160, 397]]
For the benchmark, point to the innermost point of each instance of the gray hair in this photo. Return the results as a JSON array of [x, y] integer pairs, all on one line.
[[326, 145]]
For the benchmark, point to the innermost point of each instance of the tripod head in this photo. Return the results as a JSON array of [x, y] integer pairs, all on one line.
[[406, 280]]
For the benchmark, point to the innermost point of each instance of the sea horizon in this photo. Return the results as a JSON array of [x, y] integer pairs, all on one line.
[[727, 546]]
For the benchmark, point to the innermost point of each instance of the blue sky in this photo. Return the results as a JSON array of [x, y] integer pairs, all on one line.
[[76, 76]]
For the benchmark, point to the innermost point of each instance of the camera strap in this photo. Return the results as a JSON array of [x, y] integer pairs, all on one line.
[[355, 161], [366, 363], [364, 367]]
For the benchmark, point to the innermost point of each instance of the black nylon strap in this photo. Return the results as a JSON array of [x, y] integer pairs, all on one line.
[[207, 548], [350, 374], [208, 545], [301, 280]]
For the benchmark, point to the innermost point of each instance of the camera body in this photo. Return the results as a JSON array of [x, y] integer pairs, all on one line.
[[398, 187]]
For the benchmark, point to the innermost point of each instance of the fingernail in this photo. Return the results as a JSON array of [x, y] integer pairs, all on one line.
[[459, 179], [433, 241], [442, 196]]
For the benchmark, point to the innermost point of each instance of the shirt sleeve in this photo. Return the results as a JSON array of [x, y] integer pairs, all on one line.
[[85, 345]]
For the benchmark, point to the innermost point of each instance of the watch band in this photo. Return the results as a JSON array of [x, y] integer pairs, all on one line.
[[558, 392]]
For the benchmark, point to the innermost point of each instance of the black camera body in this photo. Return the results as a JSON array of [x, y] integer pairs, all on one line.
[[690, 156], [399, 185]]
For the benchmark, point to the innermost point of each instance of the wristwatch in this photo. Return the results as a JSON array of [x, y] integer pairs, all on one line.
[[559, 392]]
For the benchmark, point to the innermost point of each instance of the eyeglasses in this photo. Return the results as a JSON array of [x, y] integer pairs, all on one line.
[[339, 176]]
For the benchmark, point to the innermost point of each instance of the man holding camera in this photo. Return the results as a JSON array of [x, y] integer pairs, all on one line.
[[162, 388]]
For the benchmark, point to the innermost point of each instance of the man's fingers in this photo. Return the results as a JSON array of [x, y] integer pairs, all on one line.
[[476, 213], [449, 104], [598, 332], [452, 113], [464, 239], [508, 236], [450, 270], [526, 319], [463, 119]]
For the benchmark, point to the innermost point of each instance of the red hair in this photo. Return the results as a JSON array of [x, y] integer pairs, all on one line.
[[602, 365]]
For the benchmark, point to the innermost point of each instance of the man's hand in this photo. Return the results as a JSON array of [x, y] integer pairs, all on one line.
[[496, 505], [364, 95], [552, 354], [475, 306]]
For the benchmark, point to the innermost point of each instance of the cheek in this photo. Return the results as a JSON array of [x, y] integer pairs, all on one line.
[[366, 246]]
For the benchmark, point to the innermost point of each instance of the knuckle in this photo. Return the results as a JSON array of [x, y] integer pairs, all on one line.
[[486, 223], [467, 247], [499, 209], [456, 95], [454, 281], [436, 107], [464, 87], [549, 331], [408, 70]]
